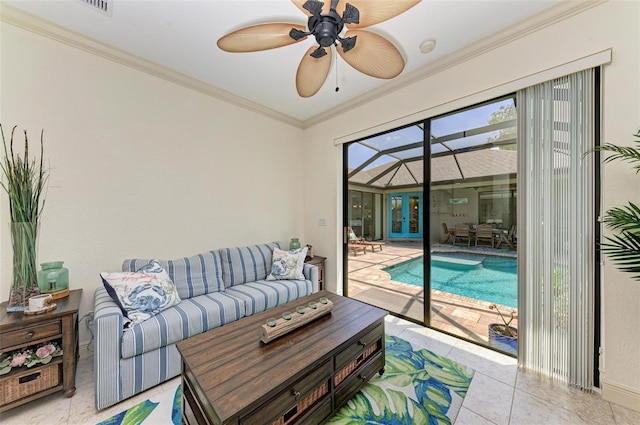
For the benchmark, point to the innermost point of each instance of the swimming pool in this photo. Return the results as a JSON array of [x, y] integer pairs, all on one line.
[[488, 278]]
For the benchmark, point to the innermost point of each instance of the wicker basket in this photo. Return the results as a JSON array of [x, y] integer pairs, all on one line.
[[29, 382], [354, 364], [303, 405]]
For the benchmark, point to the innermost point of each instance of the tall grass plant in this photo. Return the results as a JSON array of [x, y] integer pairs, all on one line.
[[24, 180]]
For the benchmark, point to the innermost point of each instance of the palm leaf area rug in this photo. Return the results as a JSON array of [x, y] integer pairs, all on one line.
[[417, 387]]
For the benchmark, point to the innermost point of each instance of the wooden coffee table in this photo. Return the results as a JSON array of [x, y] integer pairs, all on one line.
[[230, 377]]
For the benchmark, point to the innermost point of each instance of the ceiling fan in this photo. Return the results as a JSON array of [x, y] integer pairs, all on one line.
[[365, 51]]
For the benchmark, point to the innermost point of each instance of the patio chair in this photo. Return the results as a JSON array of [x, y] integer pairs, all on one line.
[[461, 233], [484, 234], [355, 239], [511, 238], [448, 234]]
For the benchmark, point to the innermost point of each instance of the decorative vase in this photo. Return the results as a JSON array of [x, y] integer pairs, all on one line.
[[24, 282], [294, 244], [53, 277], [502, 342]]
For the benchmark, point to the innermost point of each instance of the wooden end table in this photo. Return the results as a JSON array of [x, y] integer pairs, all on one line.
[[230, 377], [318, 261], [18, 330]]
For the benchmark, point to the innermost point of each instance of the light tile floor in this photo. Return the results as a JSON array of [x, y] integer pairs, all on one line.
[[499, 393]]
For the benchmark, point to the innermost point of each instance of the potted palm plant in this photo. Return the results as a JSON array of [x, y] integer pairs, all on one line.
[[624, 247], [24, 180]]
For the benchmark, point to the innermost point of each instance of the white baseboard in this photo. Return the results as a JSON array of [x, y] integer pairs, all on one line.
[[622, 395]]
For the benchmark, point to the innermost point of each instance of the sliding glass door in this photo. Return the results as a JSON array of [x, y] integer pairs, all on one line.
[[449, 224], [384, 197], [474, 222]]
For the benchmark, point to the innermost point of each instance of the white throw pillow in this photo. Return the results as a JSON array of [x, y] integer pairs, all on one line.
[[142, 294], [287, 264]]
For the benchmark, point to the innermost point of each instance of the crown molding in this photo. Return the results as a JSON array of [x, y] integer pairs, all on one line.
[[37, 25], [563, 10]]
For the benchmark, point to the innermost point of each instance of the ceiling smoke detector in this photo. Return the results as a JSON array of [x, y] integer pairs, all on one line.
[[427, 46]]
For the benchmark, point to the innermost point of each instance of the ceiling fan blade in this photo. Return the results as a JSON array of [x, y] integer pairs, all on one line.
[[373, 55], [259, 37], [312, 72], [325, 8], [375, 11]]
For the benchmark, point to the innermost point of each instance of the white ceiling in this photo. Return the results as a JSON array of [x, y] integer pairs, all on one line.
[[181, 35]]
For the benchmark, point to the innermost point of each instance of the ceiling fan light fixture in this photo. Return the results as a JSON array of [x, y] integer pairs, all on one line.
[[326, 32], [326, 28]]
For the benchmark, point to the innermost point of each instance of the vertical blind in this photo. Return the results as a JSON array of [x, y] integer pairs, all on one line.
[[556, 229]]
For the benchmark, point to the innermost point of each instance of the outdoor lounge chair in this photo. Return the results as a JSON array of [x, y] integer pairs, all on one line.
[[355, 247], [354, 239]]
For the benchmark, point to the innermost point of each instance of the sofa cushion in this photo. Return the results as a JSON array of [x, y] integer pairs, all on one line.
[[143, 294], [191, 317], [287, 264], [196, 275], [246, 264], [262, 295]]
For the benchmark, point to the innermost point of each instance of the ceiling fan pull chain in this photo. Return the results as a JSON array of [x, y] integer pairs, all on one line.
[[335, 52]]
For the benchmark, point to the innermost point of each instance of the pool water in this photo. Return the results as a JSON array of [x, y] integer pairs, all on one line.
[[487, 278]]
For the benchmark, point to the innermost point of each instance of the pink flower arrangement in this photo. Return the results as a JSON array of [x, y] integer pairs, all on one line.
[[19, 359], [29, 356], [45, 350]]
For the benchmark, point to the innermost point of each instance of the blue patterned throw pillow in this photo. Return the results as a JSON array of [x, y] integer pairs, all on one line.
[[142, 294], [287, 264]]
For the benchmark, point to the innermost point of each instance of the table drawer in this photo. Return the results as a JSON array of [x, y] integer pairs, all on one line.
[[317, 416], [33, 333], [295, 400], [359, 346], [352, 384]]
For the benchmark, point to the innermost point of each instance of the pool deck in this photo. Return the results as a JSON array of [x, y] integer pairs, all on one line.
[[455, 314]]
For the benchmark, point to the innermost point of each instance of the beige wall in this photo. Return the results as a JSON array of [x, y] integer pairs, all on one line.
[[610, 25], [141, 166]]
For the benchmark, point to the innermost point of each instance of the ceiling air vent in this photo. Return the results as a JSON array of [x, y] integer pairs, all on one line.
[[102, 6]]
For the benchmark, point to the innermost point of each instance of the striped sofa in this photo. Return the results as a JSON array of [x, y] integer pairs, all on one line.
[[215, 288]]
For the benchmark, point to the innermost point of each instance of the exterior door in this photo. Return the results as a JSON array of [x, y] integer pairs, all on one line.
[[405, 215]]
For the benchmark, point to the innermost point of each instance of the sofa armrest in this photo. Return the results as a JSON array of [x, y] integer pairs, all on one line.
[[107, 329], [310, 272]]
